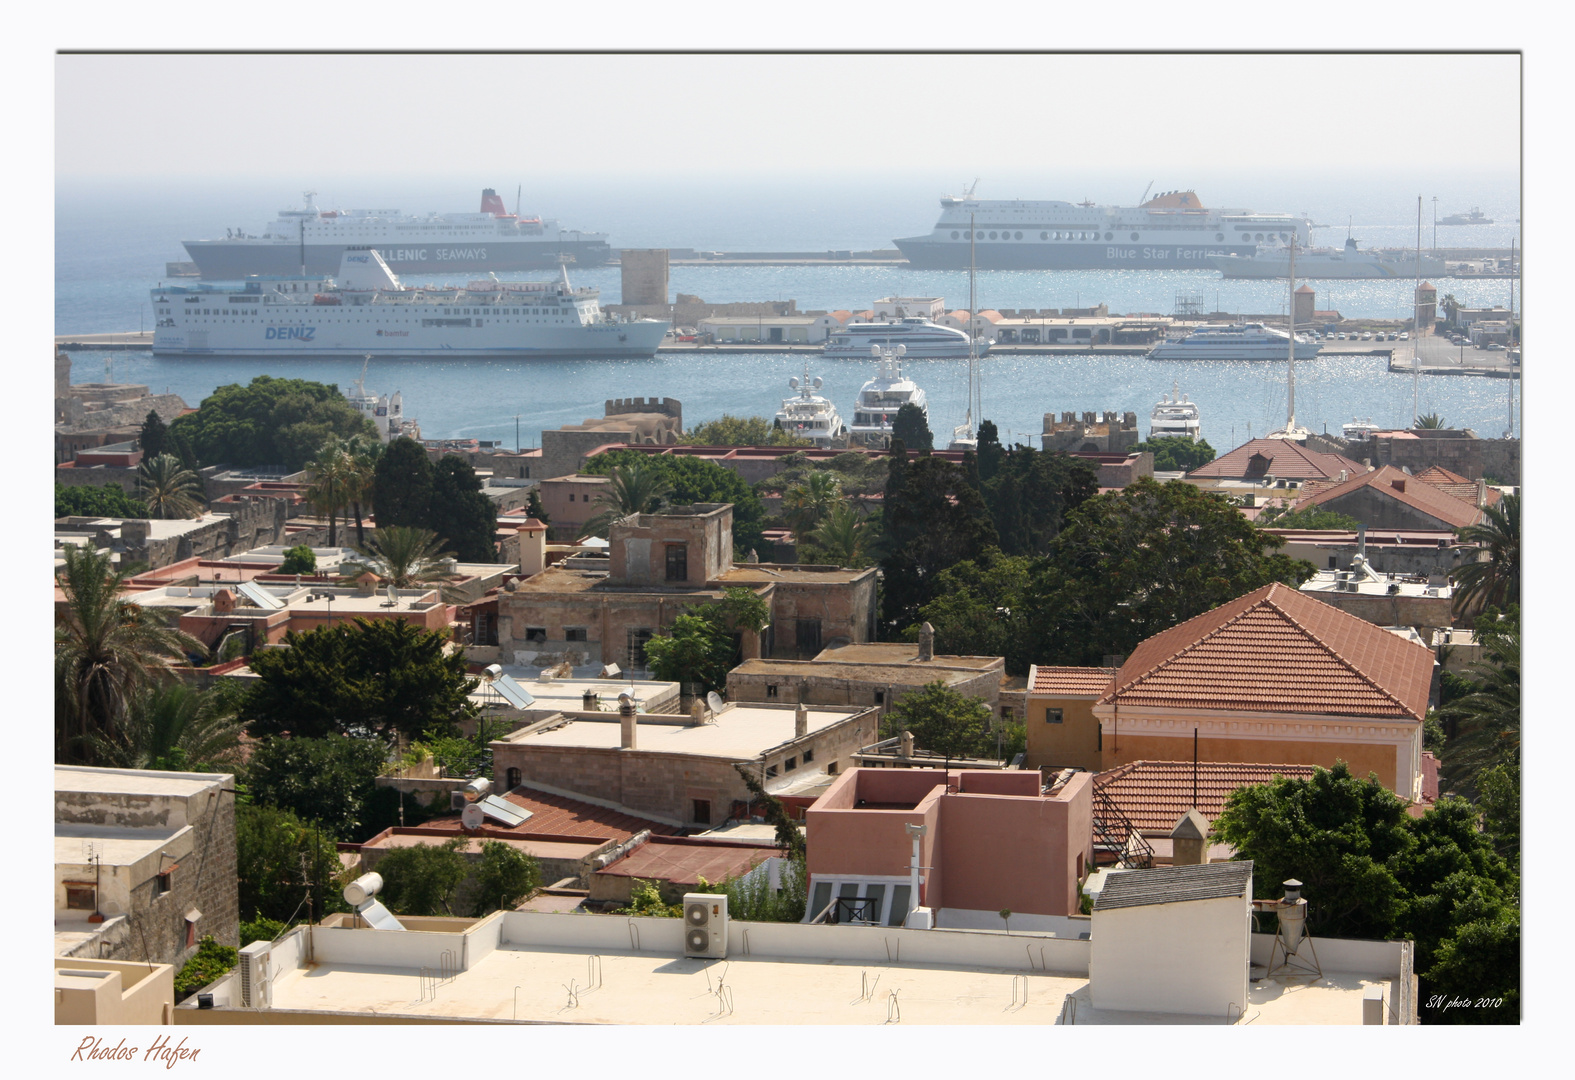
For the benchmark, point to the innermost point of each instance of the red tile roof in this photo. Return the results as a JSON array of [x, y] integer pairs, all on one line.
[[1069, 681], [1437, 474], [1277, 651], [685, 862], [1154, 794], [1393, 483], [1287, 461], [561, 816]]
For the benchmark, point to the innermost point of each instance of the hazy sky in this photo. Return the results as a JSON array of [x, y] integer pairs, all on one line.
[[1003, 116]]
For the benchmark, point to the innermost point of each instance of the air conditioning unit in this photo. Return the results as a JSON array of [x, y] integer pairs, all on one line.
[[256, 978], [705, 924], [457, 800]]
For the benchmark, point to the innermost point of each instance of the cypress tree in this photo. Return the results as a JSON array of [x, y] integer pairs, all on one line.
[[460, 514], [402, 485], [154, 436], [912, 428]]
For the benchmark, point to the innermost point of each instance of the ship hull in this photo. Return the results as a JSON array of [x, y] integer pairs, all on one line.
[[1182, 351], [1257, 268], [232, 260], [320, 337], [927, 253]]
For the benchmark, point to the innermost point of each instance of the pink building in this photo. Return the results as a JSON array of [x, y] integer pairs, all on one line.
[[992, 840]]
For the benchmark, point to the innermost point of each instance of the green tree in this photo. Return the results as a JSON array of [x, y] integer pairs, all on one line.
[[752, 899], [1483, 723], [534, 509], [373, 678], [465, 519], [638, 487], [462, 756], [153, 436], [300, 559], [209, 962], [333, 475], [286, 869], [327, 781], [504, 877], [694, 650], [169, 489], [1494, 580], [401, 555], [695, 481], [1481, 960], [1430, 421], [1030, 492], [1176, 453], [844, 537], [402, 485], [1138, 561], [268, 422], [107, 651], [790, 838], [1308, 517], [422, 879], [943, 721], [806, 504], [933, 518], [178, 728], [105, 500], [364, 451], [741, 431], [913, 428], [979, 610]]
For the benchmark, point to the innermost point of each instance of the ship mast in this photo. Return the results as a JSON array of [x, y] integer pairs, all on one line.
[[1290, 414], [973, 331], [1416, 319]]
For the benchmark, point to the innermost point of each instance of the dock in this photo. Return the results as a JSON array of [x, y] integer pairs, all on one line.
[[1436, 356]]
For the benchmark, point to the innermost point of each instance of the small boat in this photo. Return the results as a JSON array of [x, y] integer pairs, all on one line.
[[1475, 217], [1359, 430], [810, 416], [1174, 417]]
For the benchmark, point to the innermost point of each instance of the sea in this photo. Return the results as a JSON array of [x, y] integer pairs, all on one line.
[[111, 246]]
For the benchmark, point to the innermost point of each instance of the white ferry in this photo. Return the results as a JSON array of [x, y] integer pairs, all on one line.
[[920, 338], [881, 398], [1235, 341], [367, 312], [1174, 417], [810, 416], [310, 241], [386, 411], [1168, 231], [1349, 263]]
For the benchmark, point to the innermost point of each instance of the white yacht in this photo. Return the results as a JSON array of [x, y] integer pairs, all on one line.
[[882, 396], [810, 416], [1233, 341], [920, 337], [1359, 430], [1174, 417]]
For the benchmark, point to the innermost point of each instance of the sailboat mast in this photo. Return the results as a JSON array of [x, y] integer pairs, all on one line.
[[1416, 319], [1290, 383], [973, 328]]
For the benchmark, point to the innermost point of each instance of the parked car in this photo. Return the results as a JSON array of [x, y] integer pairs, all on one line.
[[1493, 346], [1405, 335], [1367, 335], [1342, 337], [1392, 335]]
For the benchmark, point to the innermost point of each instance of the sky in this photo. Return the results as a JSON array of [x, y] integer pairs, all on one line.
[[1013, 118]]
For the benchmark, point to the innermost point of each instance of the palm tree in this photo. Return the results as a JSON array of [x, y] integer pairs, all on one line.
[[1496, 579], [168, 488], [107, 650], [364, 452], [631, 489], [844, 536], [1431, 420], [806, 503], [333, 475], [176, 727], [402, 555], [1485, 724]]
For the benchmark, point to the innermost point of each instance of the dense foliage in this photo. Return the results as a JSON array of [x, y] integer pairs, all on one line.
[[741, 431], [280, 860], [752, 899], [1369, 870], [326, 781], [374, 677], [210, 961], [423, 879], [103, 500], [1029, 492], [703, 643], [934, 518], [402, 485], [1174, 453], [1308, 517], [268, 422], [978, 609], [1481, 754], [913, 428], [943, 722], [464, 519], [175, 727], [300, 559], [1495, 579], [504, 876], [154, 436], [691, 480]]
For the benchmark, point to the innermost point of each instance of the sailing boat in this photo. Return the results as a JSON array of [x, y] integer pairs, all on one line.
[[1291, 431], [965, 436]]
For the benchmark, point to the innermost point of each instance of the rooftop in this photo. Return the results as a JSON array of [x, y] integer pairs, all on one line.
[[112, 846], [685, 862], [764, 573], [1275, 650], [738, 733], [1420, 495], [1286, 460], [1175, 884], [1154, 794], [900, 652], [914, 674], [1069, 681], [559, 815], [76, 778]]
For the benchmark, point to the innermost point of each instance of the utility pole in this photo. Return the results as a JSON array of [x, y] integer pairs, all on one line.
[[517, 432], [1435, 224]]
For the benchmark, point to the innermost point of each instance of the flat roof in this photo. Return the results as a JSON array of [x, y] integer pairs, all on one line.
[[78, 778], [541, 849], [685, 863], [901, 652], [111, 846], [754, 574], [915, 674], [738, 732]]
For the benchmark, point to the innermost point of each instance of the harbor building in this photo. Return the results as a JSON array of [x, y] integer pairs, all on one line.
[[643, 274], [1107, 432]]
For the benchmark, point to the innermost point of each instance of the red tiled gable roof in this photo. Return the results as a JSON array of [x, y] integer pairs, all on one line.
[[1154, 794], [1417, 494], [1277, 651], [1287, 461], [686, 862], [561, 816], [1437, 474], [1069, 681]]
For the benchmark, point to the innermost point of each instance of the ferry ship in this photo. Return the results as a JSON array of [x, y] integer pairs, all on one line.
[[1349, 263], [810, 416], [881, 397], [920, 338], [1238, 341], [1172, 230], [1475, 217], [1174, 417], [310, 241], [367, 312]]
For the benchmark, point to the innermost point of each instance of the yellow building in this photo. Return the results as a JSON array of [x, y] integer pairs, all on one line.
[[1059, 717]]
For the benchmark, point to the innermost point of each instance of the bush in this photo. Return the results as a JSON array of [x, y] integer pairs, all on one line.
[[300, 559], [752, 899], [505, 874], [210, 962], [422, 880], [646, 899], [261, 929], [107, 500], [328, 781]]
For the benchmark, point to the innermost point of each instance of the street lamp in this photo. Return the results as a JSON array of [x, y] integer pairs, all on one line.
[[517, 432]]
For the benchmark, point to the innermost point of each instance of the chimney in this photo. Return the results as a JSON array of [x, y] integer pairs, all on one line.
[[1398, 485], [905, 745], [800, 721], [626, 722], [588, 701], [926, 642], [1361, 541], [1481, 493], [1190, 840], [697, 713]]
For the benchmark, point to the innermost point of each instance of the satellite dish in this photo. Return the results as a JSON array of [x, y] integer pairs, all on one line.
[[875, 350], [793, 382], [818, 383], [472, 816], [714, 700]]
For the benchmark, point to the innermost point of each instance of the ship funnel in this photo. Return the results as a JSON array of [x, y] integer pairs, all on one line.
[[492, 203]]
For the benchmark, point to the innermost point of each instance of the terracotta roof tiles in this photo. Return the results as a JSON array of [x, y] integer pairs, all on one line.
[[1277, 651], [1287, 461], [1069, 681], [562, 816], [1393, 483], [1155, 794]]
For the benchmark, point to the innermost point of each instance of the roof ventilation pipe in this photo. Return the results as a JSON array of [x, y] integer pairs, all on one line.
[[800, 721], [626, 722]]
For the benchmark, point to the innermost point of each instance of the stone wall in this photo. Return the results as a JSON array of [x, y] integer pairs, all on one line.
[[1456, 451], [241, 527]]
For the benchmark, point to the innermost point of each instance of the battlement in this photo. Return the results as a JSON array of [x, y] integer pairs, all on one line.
[[666, 406]]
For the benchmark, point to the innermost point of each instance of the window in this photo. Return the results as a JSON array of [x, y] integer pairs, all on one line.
[[81, 897], [1006, 712], [771, 770], [880, 695], [702, 811], [512, 778], [790, 764], [771, 693], [1334, 562], [807, 637], [536, 635], [831, 770], [574, 633], [1052, 716], [163, 883], [809, 755], [867, 903], [191, 932], [677, 562], [636, 651], [571, 494]]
